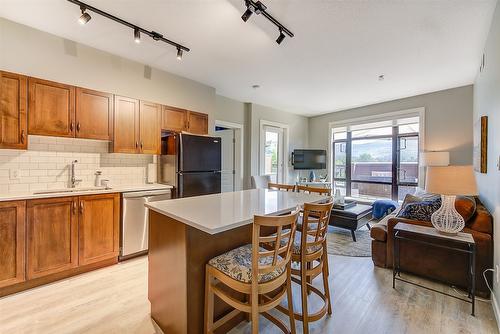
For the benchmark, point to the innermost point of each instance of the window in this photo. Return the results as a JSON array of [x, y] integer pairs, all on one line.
[[377, 159]]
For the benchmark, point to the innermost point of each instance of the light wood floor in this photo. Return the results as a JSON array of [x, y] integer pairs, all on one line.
[[114, 300]]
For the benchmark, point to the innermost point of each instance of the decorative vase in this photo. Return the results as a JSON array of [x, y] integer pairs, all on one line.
[[446, 219]]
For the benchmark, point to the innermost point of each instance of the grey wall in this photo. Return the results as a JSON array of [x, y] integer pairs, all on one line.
[[448, 115], [229, 110], [487, 103], [298, 135]]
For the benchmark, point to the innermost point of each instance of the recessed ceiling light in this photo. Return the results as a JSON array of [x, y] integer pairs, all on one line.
[[255, 86], [381, 77]]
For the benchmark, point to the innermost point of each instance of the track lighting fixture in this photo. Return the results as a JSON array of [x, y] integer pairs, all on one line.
[[137, 35], [281, 37], [85, 17], [258, 7], [137, 30]]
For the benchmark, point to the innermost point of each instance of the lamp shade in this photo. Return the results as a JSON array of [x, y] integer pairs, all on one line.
[[451, 180], [434, 159]]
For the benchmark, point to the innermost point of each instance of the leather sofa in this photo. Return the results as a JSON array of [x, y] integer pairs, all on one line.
[[436, 263]]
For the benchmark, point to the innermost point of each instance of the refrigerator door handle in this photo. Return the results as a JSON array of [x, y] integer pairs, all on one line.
[[181, 155]]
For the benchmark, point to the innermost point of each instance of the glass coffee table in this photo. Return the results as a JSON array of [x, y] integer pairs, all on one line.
[[351, 218]]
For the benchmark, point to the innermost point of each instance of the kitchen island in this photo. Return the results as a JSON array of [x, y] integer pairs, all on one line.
[[184, 234]]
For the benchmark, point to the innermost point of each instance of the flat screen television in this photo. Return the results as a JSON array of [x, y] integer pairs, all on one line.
[[309, 159]]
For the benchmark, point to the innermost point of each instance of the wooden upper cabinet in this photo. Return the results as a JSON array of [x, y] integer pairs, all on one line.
[[51, 108], [94, 114], [126, 125], [52, 236], [174, 119], [13, 107], [150, 132], [98, 225], [12, 242], [197, 123]]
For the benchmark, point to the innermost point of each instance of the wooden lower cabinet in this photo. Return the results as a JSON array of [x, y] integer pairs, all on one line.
[[52, 236], [98, 225], [12, 242]]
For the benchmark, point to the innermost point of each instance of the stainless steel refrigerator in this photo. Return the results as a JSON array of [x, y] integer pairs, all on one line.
[[190, 163]]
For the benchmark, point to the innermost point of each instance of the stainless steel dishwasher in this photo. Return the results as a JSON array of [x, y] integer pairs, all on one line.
[[134, 224]]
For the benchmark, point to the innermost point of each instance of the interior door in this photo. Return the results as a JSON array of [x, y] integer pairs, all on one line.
[[227, 157], [273, 154], [150, 131], [126, 125], [13, 108]]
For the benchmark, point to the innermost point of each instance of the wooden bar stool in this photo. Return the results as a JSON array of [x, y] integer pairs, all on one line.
[[254, 270], [314, 190], [278, 186], [310, 251]]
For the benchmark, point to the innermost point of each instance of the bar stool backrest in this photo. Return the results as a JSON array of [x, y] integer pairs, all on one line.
[[277, 246], [279, 186], [314, 190], [315, 222]]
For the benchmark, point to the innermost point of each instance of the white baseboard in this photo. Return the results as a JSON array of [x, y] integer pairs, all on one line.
[[496, 310]]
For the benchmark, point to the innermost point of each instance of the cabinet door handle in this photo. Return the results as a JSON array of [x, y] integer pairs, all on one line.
[[74, 208], [81, 207], [78, 126], [136, 144], [23, 136], [71, 126], [142, 144]]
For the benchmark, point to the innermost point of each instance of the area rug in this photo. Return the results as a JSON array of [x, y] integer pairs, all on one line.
[[340, 242]]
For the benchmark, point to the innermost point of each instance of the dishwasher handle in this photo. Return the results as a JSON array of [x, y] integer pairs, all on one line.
[[146, 193]]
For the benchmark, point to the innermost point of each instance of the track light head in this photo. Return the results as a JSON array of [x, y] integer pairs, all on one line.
[[179, 54], [84, 18], [281, 37], [137, 35], [246, 15]]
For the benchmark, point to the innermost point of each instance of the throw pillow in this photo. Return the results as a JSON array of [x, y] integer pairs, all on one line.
[[466, 206], [420, 210]]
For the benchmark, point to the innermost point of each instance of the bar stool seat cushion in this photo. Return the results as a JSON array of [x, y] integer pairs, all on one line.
[[311, 225], [297, 241], [237, 264]]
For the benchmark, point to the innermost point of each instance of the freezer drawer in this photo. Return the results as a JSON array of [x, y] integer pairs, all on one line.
[[196, 184]]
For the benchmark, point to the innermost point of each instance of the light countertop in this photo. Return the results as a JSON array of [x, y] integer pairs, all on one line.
[[79, 191], [221, 212]]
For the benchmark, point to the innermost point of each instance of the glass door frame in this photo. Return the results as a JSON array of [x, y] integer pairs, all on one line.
[[283, 130]]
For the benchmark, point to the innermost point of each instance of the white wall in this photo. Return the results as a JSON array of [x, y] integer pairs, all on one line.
[[487, 103], [448, 115]]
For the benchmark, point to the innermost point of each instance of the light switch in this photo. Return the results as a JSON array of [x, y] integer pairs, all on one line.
[[14, 174]]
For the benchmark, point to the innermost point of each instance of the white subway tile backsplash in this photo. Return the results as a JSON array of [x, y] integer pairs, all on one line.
[[46, 164]]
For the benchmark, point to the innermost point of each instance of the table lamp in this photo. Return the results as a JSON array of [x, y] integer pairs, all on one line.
[[449, 181], [433, 158]]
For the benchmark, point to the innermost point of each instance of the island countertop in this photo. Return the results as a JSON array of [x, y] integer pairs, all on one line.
[[222, 212]]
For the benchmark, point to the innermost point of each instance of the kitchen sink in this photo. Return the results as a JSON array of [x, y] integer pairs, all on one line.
[[62, 191]]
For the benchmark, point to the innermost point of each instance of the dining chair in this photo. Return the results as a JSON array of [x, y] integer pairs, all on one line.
[[260, 181], [279, 186], [254, 270]]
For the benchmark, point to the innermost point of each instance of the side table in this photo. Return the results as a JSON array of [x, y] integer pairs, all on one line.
[[465, 244]]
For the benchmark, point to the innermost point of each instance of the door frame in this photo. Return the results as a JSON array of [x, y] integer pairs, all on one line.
[[238, 151], [286, 159]]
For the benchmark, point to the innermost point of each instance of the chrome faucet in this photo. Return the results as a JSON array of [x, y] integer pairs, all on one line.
[[73, 180]]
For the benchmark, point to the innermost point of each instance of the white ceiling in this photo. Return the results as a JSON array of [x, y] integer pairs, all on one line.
[[333, 62]]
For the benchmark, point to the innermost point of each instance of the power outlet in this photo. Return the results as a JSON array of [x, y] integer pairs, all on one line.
[[497, 274], [14, 174]]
